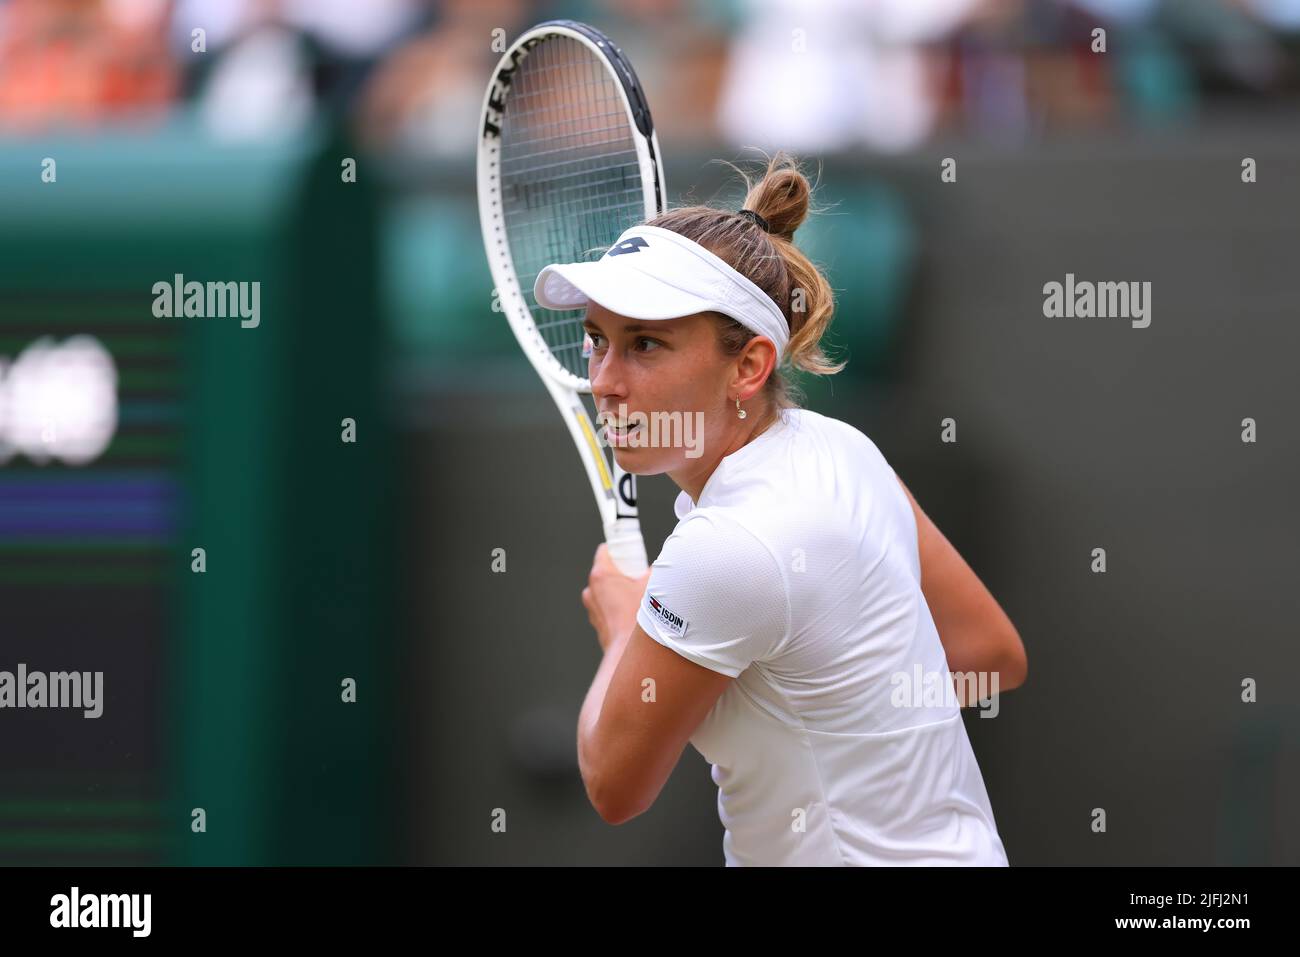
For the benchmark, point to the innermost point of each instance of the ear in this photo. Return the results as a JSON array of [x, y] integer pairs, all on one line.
[[753, 367]]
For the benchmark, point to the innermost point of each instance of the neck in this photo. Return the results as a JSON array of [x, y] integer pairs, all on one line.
[[692, 478]]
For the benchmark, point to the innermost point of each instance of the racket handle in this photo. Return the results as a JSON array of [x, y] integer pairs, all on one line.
[[626, 547]]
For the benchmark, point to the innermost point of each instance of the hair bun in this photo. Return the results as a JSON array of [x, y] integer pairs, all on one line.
[[782, 196]]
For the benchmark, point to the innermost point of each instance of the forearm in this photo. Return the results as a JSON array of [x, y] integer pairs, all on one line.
[[591, 705]]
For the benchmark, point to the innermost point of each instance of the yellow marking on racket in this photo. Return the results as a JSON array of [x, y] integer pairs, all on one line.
[[596, 453]]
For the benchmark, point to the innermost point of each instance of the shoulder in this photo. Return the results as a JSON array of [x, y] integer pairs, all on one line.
[[806, 420], [710, 538], [844, 442], [717, 594]]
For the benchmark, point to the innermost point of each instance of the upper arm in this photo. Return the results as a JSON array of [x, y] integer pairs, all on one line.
[[715, 603], [976, 633], [655, 701]]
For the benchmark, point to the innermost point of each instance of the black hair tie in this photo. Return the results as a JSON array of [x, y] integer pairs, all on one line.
[[754, 218]]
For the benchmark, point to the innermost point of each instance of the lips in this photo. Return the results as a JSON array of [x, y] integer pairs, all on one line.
[[618, 431]]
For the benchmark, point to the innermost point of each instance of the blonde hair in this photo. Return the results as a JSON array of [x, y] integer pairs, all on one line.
[[772, 262]]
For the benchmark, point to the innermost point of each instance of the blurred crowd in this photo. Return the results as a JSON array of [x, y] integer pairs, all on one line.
[[808, 75]]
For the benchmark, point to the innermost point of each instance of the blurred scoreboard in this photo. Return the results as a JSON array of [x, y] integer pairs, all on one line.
[[128, 440], [87, 555]]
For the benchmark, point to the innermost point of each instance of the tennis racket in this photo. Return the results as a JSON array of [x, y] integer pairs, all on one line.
[[567, 160]]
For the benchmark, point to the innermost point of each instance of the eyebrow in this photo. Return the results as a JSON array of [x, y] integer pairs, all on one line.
[[656, 328]]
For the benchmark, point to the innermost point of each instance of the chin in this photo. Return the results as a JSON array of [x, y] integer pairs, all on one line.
[[639, 462]]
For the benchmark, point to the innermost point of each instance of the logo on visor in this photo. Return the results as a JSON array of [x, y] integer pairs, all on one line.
[[627, 246]]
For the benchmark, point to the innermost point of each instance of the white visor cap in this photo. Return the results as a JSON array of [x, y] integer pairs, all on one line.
[[654, 273]]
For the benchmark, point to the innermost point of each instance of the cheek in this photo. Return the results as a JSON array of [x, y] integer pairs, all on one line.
[[700, 383], [660, 385], [677, 381]]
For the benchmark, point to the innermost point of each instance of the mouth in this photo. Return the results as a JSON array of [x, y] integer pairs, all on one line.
[[619, 433]]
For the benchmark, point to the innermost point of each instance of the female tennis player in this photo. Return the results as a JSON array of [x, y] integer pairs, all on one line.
[[803, 596]]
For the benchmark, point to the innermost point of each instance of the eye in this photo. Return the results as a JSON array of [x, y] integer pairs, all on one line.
[[590, 343], [649, 344]]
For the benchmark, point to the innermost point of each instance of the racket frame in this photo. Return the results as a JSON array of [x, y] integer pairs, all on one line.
[[613, 488]]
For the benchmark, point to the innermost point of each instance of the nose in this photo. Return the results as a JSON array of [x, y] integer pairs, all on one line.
[[607, 376]]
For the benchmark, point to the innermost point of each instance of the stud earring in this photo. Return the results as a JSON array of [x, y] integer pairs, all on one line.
[[740, 413]]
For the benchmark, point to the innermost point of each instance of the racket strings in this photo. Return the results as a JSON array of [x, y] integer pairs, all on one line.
[[537, 154], [536, 204], [570, 175]]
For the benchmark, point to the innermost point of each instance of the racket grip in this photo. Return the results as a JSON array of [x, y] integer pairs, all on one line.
[[626, 547]]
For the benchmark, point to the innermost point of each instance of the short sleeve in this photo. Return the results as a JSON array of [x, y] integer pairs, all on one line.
[[716, 595]]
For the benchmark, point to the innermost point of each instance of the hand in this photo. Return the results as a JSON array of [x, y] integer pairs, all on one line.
[[611, 598]]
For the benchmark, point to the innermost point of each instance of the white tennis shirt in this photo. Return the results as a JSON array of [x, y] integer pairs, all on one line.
[[797, 573]]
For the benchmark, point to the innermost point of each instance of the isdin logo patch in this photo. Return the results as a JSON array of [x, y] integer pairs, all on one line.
[[672, 621]]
